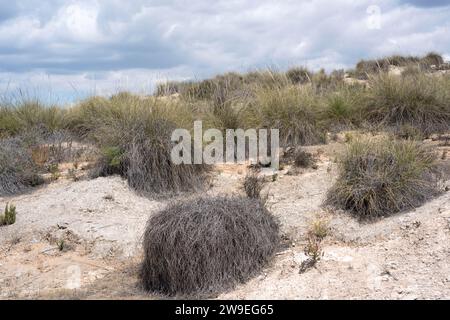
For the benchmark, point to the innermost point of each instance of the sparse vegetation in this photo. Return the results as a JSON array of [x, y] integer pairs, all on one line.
[[202, 246], [379, 177], [53, 169], [365, 68], [61, 245], [303, 159], [253, 185], [207, 245], [319, 228], [313, 249], [130, 134], [299, 75], [9, 215], [17, 169]]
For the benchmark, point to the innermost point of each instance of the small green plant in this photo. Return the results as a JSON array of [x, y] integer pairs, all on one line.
[[349, 137], [320, 228], [274, 177], [114, 156], [72, 174], [109, 197], [54, 170], [9, 216], [313, 250], [408, 131], [61, 245]]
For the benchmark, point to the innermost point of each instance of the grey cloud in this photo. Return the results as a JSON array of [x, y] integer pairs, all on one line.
[[85, 37], [428, 3]]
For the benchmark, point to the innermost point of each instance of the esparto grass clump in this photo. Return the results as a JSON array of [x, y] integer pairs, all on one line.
[[207, 245], [379, 177], [134, 139], [417, 101]]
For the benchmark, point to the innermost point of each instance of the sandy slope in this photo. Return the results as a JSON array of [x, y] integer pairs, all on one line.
[[101, 221]]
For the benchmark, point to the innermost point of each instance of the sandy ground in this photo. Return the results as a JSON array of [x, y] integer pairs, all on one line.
[[79, 240]]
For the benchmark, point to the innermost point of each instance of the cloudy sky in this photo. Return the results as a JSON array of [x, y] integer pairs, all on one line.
[[67, 49]]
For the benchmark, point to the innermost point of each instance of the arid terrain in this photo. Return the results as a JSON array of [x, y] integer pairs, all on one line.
[[82, 239], [237, 150]]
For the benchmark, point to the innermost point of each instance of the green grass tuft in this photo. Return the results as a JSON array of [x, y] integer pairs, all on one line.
[[379, 177]]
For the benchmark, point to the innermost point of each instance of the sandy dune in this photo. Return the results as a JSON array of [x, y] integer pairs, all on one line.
[[82, 240]]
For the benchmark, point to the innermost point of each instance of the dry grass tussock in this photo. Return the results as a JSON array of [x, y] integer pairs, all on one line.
[[379, 177], [207, 245]]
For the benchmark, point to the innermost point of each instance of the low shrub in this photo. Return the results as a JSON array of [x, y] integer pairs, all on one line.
[[365, 68], [9, 216], [432, 59], [303, 159], [207, 245], [168, 88], [299, 75], [17, 168], [379, 177], [253, 185]]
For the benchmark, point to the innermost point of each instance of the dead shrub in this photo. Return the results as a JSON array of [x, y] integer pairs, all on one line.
[[303, 159], [384, 176], [253, 185], [149, 168], [207, 245], [17, 168]]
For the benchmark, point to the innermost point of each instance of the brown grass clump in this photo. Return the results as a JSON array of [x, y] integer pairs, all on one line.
[[253, 185], [207, 245], [303, 159], [384, 176]]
